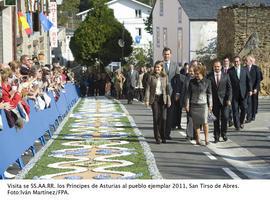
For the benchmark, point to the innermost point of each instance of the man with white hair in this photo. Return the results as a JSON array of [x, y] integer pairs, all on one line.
[[132, 83], [254, 74]]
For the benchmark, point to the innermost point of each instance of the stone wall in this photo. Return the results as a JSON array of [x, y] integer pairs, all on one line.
[[245, 30]]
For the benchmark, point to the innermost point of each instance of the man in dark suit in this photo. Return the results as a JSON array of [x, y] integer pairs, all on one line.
[[178, 96], [132, 83], [225, 68], [171, 69], [241, 89], [26, 65], [254, 74], [222, 96]]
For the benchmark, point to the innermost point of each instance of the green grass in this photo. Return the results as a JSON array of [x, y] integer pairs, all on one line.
[[140, 165], [138, 158]]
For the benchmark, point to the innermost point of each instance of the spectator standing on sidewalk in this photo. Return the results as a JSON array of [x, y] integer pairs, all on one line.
[[26, 64], [157, 95]]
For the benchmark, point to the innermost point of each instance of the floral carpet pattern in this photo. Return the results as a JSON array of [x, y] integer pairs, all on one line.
[[94, 144]]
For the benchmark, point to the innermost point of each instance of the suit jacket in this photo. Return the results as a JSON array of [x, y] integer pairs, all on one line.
[[199, 92], [240, 87], [254, 74], [151, 88], [173, 70], [178, 86], [132, 79], [223, 91]]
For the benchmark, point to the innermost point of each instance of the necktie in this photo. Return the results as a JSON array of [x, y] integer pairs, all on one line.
[[167, 67], [218, 79]]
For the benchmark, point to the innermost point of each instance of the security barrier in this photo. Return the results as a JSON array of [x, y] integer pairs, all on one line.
[[13, 143]]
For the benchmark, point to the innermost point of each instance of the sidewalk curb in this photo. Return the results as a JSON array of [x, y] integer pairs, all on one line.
[[150, 159], [264, 97], [38, 155]]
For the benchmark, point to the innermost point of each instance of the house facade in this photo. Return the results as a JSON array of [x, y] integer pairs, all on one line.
[[184, 34], [7, 22], [132, 14], [187, 26]]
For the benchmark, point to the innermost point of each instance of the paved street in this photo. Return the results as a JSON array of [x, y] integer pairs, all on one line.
[[244, 156]]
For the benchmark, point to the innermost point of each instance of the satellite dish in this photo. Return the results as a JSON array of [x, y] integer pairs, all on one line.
[[121, 43]]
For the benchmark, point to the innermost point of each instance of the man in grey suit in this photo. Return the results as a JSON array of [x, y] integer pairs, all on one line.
[[171, 69], [132, 83]]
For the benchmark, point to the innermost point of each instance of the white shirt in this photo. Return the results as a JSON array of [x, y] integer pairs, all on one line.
[[217, 75], [158, 87]]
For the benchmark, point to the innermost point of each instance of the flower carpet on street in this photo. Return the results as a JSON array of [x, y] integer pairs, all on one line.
[[97, 142]]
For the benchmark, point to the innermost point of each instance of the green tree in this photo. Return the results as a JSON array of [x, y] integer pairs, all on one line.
[[141, 57], [208, 53], [149, 24], [67, 10], [98, 35]]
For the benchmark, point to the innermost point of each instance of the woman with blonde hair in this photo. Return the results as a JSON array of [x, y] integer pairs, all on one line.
[[199, 101], [119, 80], [157, 95]]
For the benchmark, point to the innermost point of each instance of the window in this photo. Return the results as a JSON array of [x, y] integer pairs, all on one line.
[[179, 45], [139, 31], [138, 13], [165, 37], [161, 8], [180, 15], [158, 37]]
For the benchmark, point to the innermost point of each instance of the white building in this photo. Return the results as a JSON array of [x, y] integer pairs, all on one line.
[[132, 14], [187, 26], [62, 52]]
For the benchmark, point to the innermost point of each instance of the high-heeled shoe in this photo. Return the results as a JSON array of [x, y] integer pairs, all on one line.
[[206, 143], [198, 143]]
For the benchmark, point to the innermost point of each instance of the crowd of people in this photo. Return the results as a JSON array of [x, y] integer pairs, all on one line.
[[27, 80], [226, 95]]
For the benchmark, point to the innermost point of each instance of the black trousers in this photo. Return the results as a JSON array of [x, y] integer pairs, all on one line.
[[169, 120], [239, 107], [177, 114], [251, 106], [159, 117], [140, 94], [130, 93], [220, 124]]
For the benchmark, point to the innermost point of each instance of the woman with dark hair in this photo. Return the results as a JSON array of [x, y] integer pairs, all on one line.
[[157, 95], [199, 101]]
